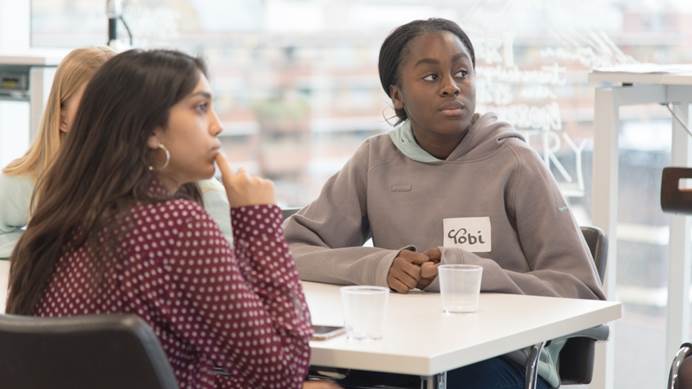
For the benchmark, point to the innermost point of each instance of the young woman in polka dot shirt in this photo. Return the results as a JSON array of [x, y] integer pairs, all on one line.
[[119, 228]]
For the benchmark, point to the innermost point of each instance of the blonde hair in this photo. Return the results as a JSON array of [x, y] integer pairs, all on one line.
[[75, 70]]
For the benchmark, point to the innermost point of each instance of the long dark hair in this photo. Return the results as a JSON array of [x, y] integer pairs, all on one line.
[[102, 167], [394, 47]]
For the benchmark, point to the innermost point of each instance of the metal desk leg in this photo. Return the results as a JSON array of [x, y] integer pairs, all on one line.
[[531, 378], [437, 381], [604, 195]]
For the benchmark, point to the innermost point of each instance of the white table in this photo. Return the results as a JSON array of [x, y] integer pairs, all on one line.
[[421, 340], [632, 85], [414, 343], [4, 276]]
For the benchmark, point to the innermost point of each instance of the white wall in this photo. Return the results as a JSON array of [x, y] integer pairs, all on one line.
[[15, 24], [15, 29]]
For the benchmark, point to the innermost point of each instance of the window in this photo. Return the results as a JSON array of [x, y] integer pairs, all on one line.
[[297, 89]]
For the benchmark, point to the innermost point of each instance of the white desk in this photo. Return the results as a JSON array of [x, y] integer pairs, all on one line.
[[4, 276], [421, 340], [616, 87], [503, 323]]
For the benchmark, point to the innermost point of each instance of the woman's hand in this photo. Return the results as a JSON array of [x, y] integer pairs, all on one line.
[[412, 269], [404, 274], [428, 270], [242, 188]]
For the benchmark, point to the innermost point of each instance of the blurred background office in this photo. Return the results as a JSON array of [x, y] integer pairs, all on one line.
[[297, 90]]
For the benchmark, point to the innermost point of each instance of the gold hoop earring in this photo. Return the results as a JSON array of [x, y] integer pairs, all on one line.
[[168, 158]]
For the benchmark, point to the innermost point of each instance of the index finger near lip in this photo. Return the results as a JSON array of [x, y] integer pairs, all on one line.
[[223, 164]]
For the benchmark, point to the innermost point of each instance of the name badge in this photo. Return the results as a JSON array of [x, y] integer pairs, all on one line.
[[469, 233]]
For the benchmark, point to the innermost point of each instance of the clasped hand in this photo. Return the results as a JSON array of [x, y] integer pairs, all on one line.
[[411, 269]]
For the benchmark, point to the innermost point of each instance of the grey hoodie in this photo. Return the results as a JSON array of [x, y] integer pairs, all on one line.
[[493, 188]]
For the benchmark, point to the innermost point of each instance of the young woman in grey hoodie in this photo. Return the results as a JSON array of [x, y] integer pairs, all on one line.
[[446, 179]]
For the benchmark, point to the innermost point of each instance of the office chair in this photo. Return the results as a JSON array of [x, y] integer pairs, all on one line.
[[104, 351], [287, 212], [675, 199], [577, 355], [680, 376]]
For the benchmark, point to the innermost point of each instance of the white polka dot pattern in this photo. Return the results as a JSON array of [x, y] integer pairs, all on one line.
[[212, 308]]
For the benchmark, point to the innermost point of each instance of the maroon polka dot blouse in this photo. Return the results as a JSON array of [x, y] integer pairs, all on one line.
[[214, 308]]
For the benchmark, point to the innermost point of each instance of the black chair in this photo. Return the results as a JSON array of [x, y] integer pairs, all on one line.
[[287, 212], [104, 351], [680, 376], [577, 356], [677, 200]]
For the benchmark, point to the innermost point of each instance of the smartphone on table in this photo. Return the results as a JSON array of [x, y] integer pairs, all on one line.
[[322, 332]]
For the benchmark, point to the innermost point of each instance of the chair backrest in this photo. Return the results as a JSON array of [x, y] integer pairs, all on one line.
[[680, 376], [577, 356], [287, 212], [104, 351], [598, 245]]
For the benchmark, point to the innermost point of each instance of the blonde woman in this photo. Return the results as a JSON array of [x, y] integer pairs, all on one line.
[[18, 179]]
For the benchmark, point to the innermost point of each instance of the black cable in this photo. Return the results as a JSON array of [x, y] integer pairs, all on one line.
[[127, 28], [682, 123]]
